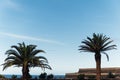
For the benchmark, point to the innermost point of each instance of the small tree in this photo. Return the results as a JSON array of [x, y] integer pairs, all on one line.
[[81, 77], [50, 77], [2, 76], [35, 78], [91, 77], [43, 76], [110, 75], [14, 76]]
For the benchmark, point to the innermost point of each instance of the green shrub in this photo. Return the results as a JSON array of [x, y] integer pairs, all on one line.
[[50, 77], [81, 77], [43, 76], [14, 76], [91, 77], [2, 76], [110, 75]]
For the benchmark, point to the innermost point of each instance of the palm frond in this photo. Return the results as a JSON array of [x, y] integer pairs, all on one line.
[[106, 44], [35, 52], [18, 49], [109, 48], [106, 55], [12, 52], [8, 64]]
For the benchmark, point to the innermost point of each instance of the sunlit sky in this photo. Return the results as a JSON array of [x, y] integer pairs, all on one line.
[[58, 27]]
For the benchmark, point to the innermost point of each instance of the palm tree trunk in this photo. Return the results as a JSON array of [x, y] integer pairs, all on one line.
[[25, 73], [98, 65]]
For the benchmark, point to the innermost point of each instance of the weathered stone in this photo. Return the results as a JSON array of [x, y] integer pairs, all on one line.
[[92, 71]]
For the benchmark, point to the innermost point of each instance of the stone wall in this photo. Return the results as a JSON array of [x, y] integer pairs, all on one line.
[[103, 70], [92, 71]]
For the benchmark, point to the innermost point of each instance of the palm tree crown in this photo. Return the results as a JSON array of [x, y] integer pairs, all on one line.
[[99, 43], [25, 56]]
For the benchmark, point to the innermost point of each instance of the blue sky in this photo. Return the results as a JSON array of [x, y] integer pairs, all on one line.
[[58, 27]]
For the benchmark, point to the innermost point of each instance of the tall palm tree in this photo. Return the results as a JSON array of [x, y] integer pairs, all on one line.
[[98, 44], [25, 56]]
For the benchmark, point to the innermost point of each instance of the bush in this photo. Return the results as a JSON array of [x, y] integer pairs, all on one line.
[[2, 76], [50, 77], [81, 77], [110, 75], [91, 77], [35, 78], [14, 76], [43, 76]]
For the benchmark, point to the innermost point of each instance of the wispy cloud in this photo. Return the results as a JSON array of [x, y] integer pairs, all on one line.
[[30, 38], [8, 4]]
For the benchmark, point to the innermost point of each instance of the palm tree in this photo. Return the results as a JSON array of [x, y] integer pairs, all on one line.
[[98, 44], [25, 56]]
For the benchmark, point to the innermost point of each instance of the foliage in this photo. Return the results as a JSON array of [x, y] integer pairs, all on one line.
[[43, 76], [91, 77], [50, 77], [14, 76], [2, 76], [111, 75], [81, 77], [98, 43], [35, 78]]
